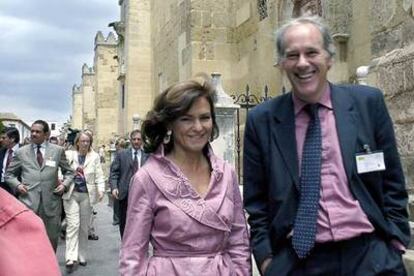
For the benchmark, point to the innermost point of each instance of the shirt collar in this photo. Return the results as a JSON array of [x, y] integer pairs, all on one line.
[[133, 150], [325, 100], [15, 147], [42, 146]]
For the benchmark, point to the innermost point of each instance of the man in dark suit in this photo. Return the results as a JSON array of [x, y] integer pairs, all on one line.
[[323, 183], [11, 145], [124, 166], [33, 175]]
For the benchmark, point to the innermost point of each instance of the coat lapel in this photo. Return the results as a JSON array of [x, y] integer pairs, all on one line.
[[128, 158], [33, 156], [88, 158], [346, 125], [283, 131], [175, 187]]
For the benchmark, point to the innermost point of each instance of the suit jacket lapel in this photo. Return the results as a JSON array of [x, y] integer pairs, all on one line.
[[88, 158], [284, 134], [346, 125], [33, 156], [128, 156]]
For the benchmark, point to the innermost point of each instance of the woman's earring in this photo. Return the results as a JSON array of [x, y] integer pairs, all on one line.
[[167, 137]]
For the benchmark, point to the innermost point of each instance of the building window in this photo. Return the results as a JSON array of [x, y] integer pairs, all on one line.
[[262, 9], [53, 126]]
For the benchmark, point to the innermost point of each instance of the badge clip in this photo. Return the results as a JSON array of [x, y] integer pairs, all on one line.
[[367, 149]]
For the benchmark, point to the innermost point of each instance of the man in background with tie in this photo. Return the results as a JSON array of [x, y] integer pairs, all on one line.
[[33, 176], [124, 166], [11, 141], [323, 183]]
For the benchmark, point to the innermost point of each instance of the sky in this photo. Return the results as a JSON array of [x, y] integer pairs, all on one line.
[[43, 45]]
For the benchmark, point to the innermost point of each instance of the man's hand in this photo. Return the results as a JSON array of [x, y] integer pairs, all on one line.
[[59, 190], [100, 196], [21, 189], [115, 193]]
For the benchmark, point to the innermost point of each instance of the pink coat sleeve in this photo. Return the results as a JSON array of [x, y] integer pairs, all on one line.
[[134, 248], [24, 246], [238, 245]]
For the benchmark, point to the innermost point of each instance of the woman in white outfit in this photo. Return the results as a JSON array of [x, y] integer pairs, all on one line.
[[87, 188]]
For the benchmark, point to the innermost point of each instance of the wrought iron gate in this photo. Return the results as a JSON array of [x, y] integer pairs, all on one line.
[[246, 102]]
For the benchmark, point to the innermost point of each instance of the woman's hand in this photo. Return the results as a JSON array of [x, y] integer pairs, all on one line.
[[100, 196]]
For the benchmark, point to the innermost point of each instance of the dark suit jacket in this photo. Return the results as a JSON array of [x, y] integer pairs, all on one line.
[[271, 175], [121, 171], [2, 156]]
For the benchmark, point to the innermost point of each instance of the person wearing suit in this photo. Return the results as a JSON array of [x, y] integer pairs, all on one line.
[[356, 223], [87, 189], [33, 176], [123, 168], [11, 145]]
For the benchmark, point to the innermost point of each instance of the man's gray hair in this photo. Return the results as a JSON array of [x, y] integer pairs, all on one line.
[[316, 21]]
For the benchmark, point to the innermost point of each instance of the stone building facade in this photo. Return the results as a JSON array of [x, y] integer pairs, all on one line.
[[106, 88], [95, 100], [164, 41], [77, 108]]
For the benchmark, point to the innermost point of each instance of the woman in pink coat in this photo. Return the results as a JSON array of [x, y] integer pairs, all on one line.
[[25, 248], [185, 201]]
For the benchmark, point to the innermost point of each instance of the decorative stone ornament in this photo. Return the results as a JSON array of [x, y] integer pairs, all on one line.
[[408, 6]]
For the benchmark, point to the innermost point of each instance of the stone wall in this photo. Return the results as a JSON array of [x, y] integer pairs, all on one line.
[[87, 88], [170, 37], [138, 62], [106, 87], [165, 41], [77, 107], [395, 76]]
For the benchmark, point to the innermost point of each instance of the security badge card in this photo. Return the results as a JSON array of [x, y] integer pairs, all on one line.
[[50, 163], [370, 161]]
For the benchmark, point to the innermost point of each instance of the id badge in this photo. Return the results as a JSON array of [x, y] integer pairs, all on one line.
[[50, 163], [370, 162]]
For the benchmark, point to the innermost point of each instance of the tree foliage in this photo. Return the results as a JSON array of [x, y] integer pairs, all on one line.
[[2, 127]]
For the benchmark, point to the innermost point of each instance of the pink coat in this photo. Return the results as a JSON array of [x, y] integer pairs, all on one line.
[[24, 246], [190, 235]]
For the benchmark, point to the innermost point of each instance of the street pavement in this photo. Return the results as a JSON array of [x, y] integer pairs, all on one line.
[[103, 254]]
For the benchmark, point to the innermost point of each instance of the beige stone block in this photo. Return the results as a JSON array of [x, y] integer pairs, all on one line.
[[221, 35], [206, 19], [196, 18], [224, 51], [198, 4], [224, 6], [243, 13], [210, 51], [220, 19], [197, 34]]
